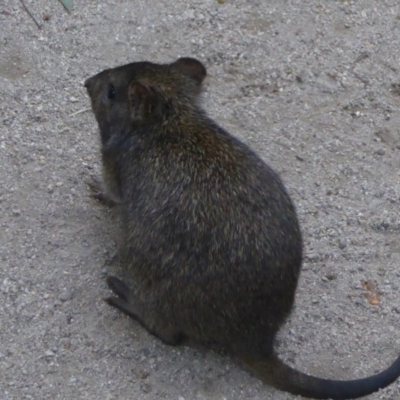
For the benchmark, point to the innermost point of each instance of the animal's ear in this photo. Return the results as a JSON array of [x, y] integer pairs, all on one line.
[[191, 68], [139, 101]]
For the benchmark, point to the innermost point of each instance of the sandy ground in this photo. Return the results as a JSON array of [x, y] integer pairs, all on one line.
[[313, 86]]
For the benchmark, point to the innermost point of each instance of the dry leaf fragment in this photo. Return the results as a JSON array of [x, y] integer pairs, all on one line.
[[372, 292], [68, 4]]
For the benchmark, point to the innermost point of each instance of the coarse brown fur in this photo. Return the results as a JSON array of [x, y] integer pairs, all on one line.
[[212, 244]]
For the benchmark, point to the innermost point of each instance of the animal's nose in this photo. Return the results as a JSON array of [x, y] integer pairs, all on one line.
[[88, 83]]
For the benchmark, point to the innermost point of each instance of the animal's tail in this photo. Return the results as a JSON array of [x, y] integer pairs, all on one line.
[[276, 373]]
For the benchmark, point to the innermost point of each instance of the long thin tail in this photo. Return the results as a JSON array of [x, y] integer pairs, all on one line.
[[276, 373]]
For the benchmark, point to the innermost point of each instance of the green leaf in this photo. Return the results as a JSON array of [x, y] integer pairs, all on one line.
[[68, 4]]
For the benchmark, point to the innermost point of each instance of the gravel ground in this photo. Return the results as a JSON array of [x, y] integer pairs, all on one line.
[[313, 86]]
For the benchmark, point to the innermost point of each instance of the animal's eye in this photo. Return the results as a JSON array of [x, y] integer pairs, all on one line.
[[111, 92]]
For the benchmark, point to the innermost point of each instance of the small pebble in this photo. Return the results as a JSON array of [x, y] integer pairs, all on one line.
[[103, 272], [65, 295], [146, 387]]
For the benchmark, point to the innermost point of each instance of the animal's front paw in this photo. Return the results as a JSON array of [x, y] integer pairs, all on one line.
[[99, 192]]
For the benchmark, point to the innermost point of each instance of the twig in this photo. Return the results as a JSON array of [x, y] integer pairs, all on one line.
[[79, 112], [30, 14]]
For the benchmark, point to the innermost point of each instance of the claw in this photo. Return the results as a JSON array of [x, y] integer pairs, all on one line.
[[99, 192]]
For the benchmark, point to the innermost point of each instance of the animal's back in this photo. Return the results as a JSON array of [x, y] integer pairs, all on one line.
[[214, 229]]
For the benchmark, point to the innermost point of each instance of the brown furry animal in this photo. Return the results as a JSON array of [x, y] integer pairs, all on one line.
[[212, 241]]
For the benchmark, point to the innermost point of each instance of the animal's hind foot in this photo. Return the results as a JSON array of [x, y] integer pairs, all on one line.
[[142, 313]]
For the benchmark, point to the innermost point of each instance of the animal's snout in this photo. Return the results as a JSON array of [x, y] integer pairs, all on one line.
[[88, 83]]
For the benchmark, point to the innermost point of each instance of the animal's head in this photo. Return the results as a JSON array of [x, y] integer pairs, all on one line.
[[143, 93]]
